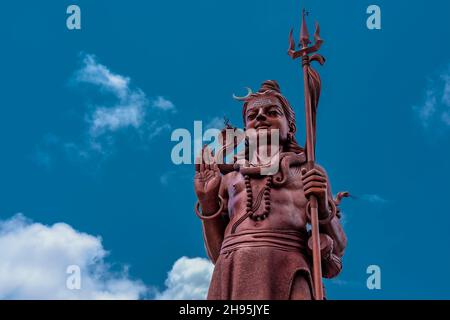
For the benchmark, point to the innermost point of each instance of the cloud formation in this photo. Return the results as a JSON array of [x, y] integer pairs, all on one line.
[[435, 109], [119, 110], [130, 107], [34, 259], [188, 280], [163, 104], [94, 73], [128, 113], [374, 198], [215, 123]]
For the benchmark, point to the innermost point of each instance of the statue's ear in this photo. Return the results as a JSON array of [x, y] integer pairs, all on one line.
[[292, 128]]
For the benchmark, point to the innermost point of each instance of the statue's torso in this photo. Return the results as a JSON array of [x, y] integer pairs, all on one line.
[[288, 202]]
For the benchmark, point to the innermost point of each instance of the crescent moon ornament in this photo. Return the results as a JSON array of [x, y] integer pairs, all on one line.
[[249, 93]]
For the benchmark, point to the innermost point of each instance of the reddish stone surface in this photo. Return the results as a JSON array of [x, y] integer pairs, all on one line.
[[266, 258]]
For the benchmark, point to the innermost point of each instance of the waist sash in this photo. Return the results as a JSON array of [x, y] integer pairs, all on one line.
[[287, 240]]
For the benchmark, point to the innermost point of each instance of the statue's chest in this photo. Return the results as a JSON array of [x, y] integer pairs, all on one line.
[[289, 193]]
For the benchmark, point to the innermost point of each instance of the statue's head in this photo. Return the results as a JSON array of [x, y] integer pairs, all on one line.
[[269, 109]]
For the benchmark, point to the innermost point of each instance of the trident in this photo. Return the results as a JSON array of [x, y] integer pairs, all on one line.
[[312, 86]]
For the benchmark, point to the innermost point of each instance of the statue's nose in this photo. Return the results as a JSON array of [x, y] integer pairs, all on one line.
[[260, 116]]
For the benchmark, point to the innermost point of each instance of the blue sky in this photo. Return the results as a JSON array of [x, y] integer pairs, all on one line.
[[383, 124]]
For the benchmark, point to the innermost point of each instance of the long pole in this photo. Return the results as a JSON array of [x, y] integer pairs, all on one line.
[[311, 82], [310, 156]]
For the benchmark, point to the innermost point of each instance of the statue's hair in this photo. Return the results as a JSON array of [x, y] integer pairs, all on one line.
[[271, 88]]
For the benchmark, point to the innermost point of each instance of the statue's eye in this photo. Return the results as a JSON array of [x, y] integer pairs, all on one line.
[[273, 113], [251, 116]]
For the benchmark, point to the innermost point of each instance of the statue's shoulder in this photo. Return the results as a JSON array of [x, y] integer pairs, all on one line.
[[230, 176], [291, 164], [292, 159]]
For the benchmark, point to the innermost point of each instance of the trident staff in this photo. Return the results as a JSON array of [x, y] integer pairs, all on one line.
[[312, 86]]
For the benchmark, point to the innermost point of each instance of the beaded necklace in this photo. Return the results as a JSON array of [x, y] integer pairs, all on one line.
[[252, 207]]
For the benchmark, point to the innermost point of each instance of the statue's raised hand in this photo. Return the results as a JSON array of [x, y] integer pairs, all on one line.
[[207, 181]]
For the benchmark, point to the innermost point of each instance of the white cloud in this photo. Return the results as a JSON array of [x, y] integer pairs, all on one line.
[[338, 282], [427, 111], [114, 118], [374, 198], [188, 280], [97, 74], [163, 104], [156, 127], [215, 123], [34, 260], [127, 112], [130, 108], [435, 109]]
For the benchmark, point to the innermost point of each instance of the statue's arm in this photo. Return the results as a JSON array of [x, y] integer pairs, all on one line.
[[214, 229], [336, 232], [334, 227], [334, 238]]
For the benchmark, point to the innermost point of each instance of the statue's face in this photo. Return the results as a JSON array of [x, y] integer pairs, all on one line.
[[267, 113]]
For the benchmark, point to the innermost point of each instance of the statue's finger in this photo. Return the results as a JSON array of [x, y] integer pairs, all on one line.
[[314, 184], [202, 160], [313, 191], [207, 158], [313, 172], [314, 178]]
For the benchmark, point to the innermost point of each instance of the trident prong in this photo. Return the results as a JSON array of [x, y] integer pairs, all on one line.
[[304, 40]]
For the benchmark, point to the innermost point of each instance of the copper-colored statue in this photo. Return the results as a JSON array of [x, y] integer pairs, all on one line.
[[255, 225]]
